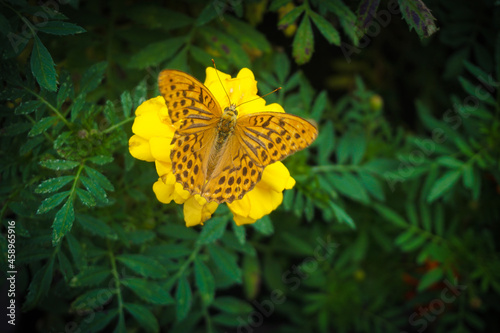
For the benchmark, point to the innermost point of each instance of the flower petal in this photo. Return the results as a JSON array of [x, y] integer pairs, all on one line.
[[160, 148], [140, 149], [164, 192], [275, 177], [197, 210], [148, 123]]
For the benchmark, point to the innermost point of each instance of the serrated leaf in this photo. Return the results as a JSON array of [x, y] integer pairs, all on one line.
[[148, 291], [367, 10], [155, 53], [31, 144], [63, 221], [96, 226], [342, 215], [101, 159], [349, 185], [65, 90], [325, 143], [225, 262], [42, 66], [96, 322], [418, 17], [59, 165], [42, 125], [204, 281], [183, 298], [143, 265], [94, 188], [264, 226], [90, 276], [92, 299], [28, 107], [144, 317], [372, 185], [473, 90], [433, 276], [85, 197], [232, 305], [290, 17], [59, 28], [126, 101], [99, 178], [208, 13], [178, 232], [239, 233], [53, 184], [213, 230], [92, 77], [65, 266], [303, 42], [326, 28], [391, 216], [52, 202], [443, 184], [40, 285]]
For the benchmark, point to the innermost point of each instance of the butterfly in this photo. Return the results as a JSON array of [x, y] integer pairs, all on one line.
[[217, 154]]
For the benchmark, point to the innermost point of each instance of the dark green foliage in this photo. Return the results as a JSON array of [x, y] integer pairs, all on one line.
[[392, 225]]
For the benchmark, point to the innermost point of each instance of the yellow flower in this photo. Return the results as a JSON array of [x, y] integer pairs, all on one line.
[[153, 132]]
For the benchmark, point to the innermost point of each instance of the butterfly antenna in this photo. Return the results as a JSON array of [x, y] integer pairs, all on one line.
[[272, 92], [217, 72]]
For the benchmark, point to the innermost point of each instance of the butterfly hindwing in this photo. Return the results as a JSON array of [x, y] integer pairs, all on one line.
[[268, 137], [188, 101]]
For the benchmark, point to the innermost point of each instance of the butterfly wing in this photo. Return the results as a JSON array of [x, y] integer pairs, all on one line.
[[188, 101], [258, 140], [195, 110], [268, 137]]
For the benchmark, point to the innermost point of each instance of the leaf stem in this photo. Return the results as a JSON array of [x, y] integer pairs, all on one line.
[[54, 109], [114, 271], [107, 130]]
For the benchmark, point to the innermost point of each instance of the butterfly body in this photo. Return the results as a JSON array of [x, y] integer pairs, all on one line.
[[218, 154]]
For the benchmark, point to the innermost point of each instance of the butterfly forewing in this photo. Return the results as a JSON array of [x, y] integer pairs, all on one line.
[[188, 100]]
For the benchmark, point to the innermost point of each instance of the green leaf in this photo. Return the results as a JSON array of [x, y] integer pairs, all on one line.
[[349, 185], [94, 188], [40, 285], [42, 66], [346, 17], [247, 34], [65, 266], [325, 143], [63, 221], [155, 53], [473, 90], [90, 276], [92, 299], [303, 42], [183, 298], [65, 89], [367, 10], [391, 216], [59, 28], [290, 17], [53, 184], [342, 216], [239, 233], [101, 159], [16, 128], [449, 162], [59, 165], [326, 28], [148, 290], [225, 262], [92, 77], [96, 322], [282, 66], [318, 108], [76, 251], [143, 265], [85, 197], [232, 305], [42, 125], [96, 226], [99, 178], [212, 230], [204, 281], [177, 231], [208, 13], [28, 107], [52, 202], [418, 17], [443, 184], [372, 185], [144, 317], [264, 226], [431, 277]]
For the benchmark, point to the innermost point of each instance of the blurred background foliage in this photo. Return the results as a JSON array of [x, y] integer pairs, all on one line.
[[391, 226]]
